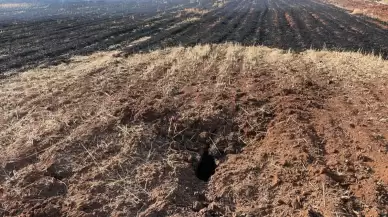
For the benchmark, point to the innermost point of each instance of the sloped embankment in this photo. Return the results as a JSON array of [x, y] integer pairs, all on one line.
[[104, 135]]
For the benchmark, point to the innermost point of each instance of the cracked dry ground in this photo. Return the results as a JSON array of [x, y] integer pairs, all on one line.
[[106, 135]]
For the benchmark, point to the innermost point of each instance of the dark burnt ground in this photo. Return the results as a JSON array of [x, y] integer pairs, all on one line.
[[285, 24], [52, 34]]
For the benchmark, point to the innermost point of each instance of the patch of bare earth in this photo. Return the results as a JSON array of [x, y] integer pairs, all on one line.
[[292, 134], [374, 9]]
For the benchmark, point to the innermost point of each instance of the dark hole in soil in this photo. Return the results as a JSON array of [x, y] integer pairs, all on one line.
[[206, 166], [312, 213]]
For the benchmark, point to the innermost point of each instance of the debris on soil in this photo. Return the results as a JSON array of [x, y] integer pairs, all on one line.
[[108, 135]]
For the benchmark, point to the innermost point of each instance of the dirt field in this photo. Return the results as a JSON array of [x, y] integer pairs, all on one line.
[[375, 9], [285, 24], [107, 135]]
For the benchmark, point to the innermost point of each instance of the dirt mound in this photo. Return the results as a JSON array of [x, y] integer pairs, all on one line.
[[106, 135]]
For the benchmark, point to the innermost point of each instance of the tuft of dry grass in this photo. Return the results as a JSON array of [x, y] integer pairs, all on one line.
[[139, 41], [186, 21], [197, 11], [357, 11]]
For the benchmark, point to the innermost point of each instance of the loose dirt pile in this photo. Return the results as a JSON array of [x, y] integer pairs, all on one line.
[[106, 135]]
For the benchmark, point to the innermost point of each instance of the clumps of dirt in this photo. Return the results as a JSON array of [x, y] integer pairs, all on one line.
[[284, 134]]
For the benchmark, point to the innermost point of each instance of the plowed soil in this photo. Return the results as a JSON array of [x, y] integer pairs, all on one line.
[[286, 24], [107, 135]]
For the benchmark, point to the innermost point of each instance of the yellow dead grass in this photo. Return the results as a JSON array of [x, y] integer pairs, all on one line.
[[186, 21], [88, 87], [139, 40], [196, 11], [357, 11], [86, 84], [65, 106]]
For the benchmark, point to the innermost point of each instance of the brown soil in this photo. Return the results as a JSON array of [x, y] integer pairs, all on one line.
[[105, 135], [374, 9]]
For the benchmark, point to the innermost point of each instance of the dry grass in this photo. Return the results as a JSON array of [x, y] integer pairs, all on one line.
[[40, 102], [186, 21], [75, 112], [358, 11], [196, 11], [139, 40]]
